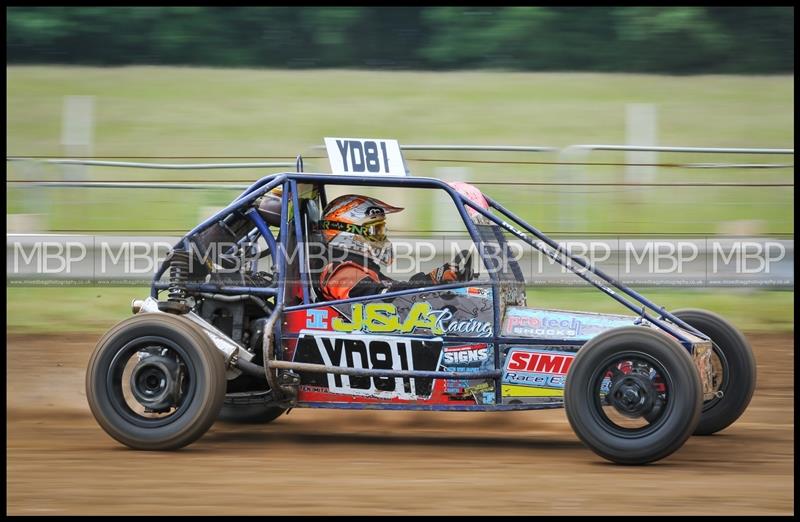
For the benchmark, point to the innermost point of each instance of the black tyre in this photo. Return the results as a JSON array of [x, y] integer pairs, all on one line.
[[155, 382], [243, 408], [633, 395], [734, 370]]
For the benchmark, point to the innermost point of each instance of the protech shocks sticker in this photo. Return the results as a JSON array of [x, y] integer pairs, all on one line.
[[556, 324]]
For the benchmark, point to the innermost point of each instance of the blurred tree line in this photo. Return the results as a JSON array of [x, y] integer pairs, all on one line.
[[679, 40]]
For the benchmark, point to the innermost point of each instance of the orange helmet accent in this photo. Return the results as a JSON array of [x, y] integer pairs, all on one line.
[[357, 224]]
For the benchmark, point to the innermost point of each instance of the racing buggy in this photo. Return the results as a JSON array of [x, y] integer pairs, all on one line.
[[247, 335]]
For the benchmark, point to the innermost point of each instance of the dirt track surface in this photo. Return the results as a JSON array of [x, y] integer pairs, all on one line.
[[59, 461]]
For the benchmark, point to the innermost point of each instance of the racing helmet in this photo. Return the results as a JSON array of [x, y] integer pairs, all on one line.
[[473, 193], [357, 224]]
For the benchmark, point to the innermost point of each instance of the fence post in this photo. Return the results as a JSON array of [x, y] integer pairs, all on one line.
[[641, 130], [77, 131]]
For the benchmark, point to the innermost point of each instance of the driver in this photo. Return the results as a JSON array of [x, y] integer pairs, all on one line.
[[354, 230]]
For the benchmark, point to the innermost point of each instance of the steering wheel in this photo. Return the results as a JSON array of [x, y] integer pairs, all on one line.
[[464, 266]]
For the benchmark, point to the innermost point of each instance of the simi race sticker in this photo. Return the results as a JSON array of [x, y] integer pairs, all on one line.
[[534, 372]]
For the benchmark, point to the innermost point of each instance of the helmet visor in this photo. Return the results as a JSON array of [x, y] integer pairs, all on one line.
[[371, 232], [375, 231]]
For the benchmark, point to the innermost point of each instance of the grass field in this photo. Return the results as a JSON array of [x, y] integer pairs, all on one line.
[[205, 112], [157, 111], [154, 111]]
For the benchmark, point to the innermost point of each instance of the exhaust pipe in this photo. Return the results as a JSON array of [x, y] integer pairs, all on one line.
[[254, 370]]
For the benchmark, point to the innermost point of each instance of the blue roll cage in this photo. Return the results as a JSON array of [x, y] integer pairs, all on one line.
[[509, 222]]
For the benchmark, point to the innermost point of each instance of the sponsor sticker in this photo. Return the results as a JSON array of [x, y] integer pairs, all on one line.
[[369, 352], [474, 291], [541, 370], [465, 355], [384, 318], [554, 324], [469, 358], [317, 319]]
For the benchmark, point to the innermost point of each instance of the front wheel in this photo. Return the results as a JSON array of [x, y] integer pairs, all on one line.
[[633, 395], [733, 368], [155, 382]]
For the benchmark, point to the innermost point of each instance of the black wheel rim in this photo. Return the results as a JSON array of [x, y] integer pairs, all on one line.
[[119, 388], [629, 394]]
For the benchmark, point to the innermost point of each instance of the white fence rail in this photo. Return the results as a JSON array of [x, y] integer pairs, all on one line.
[[159, 166], [572, 160]]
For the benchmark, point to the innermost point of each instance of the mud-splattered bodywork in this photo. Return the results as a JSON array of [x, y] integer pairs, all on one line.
[[445, 331], [469, 345]]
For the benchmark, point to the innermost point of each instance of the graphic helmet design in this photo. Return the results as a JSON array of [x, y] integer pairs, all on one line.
[[357, 224]]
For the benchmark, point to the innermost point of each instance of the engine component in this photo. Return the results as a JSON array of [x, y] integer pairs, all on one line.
[[216, 241]]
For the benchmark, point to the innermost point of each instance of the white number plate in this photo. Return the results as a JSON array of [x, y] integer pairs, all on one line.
[[366, 157]]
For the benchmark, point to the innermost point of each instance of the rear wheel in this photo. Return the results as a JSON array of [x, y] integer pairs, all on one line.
[[155, 382], [734, 370], [633, 395]]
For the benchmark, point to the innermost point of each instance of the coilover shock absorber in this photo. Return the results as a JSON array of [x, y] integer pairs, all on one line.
[[178, 275], [179, 271]]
